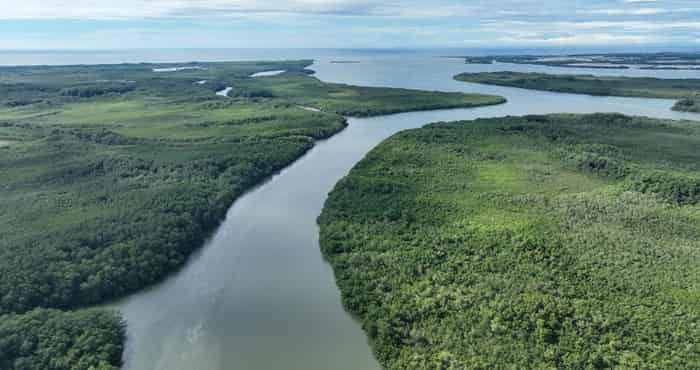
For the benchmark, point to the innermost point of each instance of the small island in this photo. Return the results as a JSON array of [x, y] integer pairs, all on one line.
[[689, 104], [536, 242], [656, 61], [687, 91]]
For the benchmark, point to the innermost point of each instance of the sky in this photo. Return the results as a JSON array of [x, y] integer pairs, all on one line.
[[123, 24]]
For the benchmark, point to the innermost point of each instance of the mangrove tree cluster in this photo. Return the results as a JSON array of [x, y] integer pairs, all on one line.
[[538, 242]]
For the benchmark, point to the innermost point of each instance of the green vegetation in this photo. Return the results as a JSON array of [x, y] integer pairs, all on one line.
[[563, 241], [673, 61], [111, 176], [645, 87], [50, 339], [689, 104]]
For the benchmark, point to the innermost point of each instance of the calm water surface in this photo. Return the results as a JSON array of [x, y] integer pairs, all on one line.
[[259, 296]]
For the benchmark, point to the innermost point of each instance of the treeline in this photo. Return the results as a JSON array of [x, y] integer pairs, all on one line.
[[562, 241], [97, 90], [685, 90], [251, 93]]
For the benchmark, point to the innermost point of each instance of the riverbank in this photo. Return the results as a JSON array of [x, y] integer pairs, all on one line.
[[129, 179], [561, 241], [685, 90]]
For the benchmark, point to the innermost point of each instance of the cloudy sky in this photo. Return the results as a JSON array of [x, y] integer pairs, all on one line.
[[113, 24]]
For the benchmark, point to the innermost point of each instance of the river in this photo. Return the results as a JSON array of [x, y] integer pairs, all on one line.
[[258, 295]]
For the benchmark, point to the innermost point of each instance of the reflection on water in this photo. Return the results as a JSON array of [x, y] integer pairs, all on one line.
[[259, 295]]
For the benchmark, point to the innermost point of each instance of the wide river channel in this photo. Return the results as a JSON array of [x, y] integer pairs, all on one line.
[[258, 295]]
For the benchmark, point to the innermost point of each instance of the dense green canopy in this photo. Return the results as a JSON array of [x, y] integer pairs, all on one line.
[[533, 242], [50, 339]]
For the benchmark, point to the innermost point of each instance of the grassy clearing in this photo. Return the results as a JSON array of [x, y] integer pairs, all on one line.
[[686, 90], [116, 174], [563, 241]]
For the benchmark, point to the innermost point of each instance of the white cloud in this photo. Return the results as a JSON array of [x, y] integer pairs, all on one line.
[[627, 11], [145, 9], [127, 9], [583, 39], [386, 23], [628, 26]]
